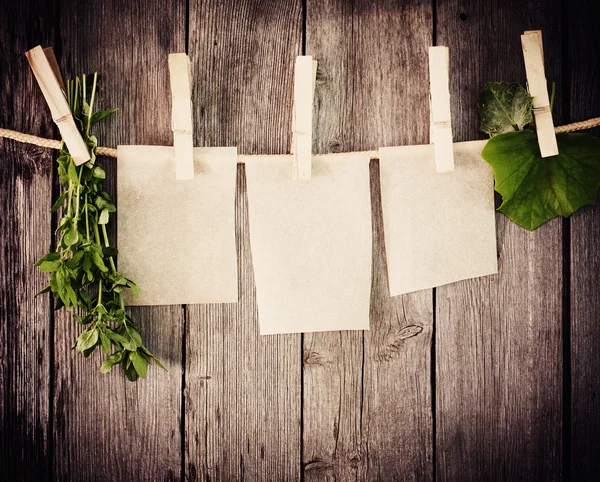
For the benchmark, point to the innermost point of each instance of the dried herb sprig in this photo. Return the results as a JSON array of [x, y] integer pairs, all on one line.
[[82, 270]]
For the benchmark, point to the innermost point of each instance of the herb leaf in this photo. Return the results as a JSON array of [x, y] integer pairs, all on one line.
[[101, 114], [504, 107], [139, 363]]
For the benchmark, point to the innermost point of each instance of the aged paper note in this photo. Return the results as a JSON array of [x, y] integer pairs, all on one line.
[[439, 227], [176, 239], [311, 244]]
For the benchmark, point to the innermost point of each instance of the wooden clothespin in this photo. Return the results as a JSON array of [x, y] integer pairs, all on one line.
[[45, 68], [533, 54], [440, 128], [305, 77], [181, 115]]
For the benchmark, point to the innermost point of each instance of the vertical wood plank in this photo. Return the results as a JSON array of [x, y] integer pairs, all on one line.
[[367, 405], [106, 427], [25, 200], [584, 69], [242, 392], [498, 338]]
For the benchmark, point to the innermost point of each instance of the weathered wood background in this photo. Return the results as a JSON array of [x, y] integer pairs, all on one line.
[[501, 383]]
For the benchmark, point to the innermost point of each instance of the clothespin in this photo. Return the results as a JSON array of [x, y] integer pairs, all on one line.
[[440, 128], [45, 68], [305, 77], [181, 115], [533, 54]]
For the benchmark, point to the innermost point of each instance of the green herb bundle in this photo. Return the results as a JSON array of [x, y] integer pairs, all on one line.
[[82, 270]]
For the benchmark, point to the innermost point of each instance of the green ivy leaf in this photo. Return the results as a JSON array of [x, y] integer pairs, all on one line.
[[535, 189], [504, 107]]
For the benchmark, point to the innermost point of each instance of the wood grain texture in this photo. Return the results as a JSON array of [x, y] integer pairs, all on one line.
[[242, 393], [25, 200], [107, 428], [367, 406], [361, 402], [584, 67], [498, 338]]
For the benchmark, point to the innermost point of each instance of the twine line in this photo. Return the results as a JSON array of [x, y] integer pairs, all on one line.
[[110, 152]]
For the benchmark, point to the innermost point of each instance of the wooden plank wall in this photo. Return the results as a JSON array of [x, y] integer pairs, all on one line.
[[582, 88], [367, 408], [499, 339], [242, 390], [25, 232], [487, 379]]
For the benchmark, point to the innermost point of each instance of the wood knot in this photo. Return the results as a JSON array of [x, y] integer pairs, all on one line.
[[321, 77], [392, 345], [354, 460], [335, 146], [314, 358], [318, 464]]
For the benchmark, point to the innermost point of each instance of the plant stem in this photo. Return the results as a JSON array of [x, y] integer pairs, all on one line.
[[99, 298], [69, 197], [76, 217], [87, 130], [96, 234], [83, 91], [87, 221], [76, 96], [106, 243]]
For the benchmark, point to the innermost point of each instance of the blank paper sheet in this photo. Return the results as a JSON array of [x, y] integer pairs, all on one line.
[[311, 244], [176, 239], [439, 227]]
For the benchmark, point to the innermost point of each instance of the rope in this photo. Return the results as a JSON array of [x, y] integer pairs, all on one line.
[[579, 126], [110, 152], [50, 143]]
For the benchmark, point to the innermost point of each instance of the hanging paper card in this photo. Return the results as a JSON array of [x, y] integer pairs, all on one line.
[[176, 239], [311, 244], [439, 228]]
